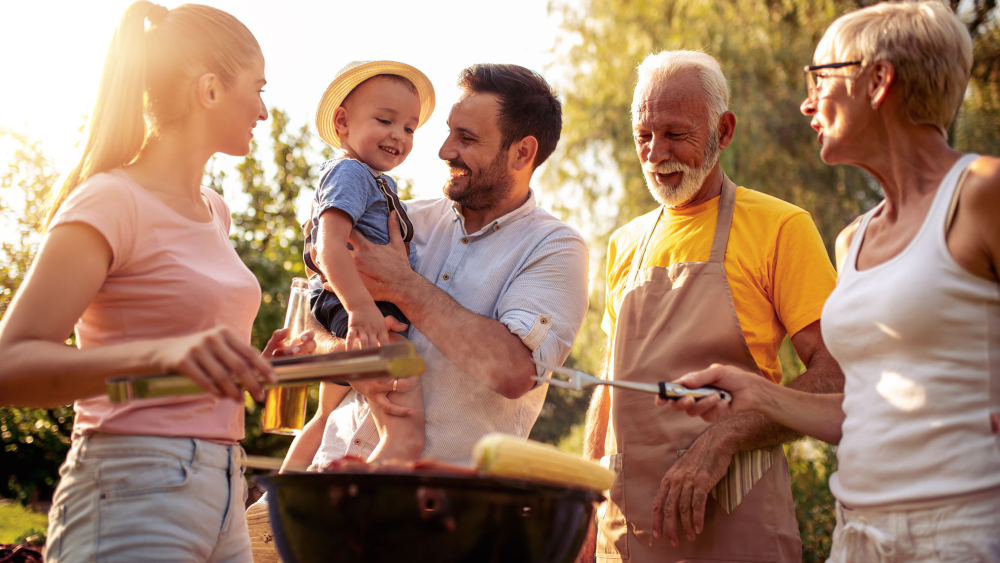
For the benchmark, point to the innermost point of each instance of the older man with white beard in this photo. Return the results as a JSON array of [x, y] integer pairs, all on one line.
[[716, 274]]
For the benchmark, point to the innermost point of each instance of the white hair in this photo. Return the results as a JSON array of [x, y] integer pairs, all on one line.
[[667, 64], [928, 46]]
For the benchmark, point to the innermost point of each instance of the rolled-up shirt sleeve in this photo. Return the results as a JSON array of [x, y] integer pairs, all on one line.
[[545, 303]]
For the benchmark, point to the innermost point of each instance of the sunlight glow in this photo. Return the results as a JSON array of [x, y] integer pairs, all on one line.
[[53, 53], [901, 392]]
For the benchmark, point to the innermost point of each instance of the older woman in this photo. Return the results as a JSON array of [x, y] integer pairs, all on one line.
[[915, 319], [137, 257]]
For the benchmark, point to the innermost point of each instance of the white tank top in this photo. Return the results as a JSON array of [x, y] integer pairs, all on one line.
[[918, 338]]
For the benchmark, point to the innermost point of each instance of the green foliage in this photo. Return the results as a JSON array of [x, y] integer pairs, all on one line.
[[564, 411], [19, 524], [977, 127], [762, 46], [34, 441], [810, 464], [268, 238], [267, 235], [24, 185]]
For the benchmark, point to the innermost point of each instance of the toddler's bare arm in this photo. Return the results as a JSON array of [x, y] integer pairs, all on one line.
[[366, 326]]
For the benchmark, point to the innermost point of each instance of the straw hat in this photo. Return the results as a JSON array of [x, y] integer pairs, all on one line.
[[261, 537], [355, 73]]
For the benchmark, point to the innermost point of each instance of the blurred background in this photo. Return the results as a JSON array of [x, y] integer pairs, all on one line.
[[51, 54]]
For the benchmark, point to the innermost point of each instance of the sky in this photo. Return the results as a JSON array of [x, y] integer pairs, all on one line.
[[52, 52]]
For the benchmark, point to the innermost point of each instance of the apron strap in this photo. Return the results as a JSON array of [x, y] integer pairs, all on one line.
[[727, 203], [640, 253]]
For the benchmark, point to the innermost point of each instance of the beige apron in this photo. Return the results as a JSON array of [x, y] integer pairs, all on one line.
[[672, 321]]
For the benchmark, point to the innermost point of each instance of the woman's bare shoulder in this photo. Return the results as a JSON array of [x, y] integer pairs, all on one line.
[[978, 206], [982, 185], [980, 197]]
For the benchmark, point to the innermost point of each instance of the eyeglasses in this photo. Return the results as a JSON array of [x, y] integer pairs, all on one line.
[[814, 76]]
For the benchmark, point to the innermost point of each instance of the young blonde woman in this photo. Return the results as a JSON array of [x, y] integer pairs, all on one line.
[[915, 318], [136, 256]]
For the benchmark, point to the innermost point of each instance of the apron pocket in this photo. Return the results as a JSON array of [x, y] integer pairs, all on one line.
[[612, 536]]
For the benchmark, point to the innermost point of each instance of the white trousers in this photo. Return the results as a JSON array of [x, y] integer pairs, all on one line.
[[964, 531]]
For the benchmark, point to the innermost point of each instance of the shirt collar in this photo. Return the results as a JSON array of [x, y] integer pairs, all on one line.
[[498, 223]]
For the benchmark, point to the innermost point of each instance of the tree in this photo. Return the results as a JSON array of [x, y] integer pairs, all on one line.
[[26, 183], [268, 238], [978, 125], [34, 441]]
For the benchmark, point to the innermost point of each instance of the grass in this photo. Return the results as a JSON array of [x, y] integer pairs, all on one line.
[[17, 521]]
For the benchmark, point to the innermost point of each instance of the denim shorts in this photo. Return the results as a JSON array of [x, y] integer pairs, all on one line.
[[125, 498], [330, 313]]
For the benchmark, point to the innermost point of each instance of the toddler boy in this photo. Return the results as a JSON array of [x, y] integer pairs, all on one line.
[[370, 111]]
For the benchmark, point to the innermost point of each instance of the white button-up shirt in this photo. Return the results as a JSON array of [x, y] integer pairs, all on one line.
[[527, 270]]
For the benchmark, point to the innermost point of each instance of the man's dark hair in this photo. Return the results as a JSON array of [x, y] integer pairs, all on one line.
[[527, 105]]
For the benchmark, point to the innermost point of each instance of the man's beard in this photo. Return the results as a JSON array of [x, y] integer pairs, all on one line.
[[484, 189], [692, 178]]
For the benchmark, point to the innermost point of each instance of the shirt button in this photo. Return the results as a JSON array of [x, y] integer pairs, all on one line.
[[357, 442], [465, 240], [446, 277], [496, 227], [543, 321]]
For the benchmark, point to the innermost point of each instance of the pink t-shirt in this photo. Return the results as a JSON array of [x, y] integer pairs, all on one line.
[[169, 276]]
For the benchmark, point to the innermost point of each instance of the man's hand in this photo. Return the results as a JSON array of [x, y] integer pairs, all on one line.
[[375, 390], [684, 489], [381, 266]]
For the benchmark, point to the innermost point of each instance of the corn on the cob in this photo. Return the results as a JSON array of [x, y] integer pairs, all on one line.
[[501, 455]]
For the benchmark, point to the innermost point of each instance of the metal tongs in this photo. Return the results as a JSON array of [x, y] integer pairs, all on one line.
[[392, 360], [578, 381]]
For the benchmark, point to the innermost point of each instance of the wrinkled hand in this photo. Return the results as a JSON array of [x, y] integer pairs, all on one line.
[[375, 390], [218, 361], [381, 266], [277, 347], [742, 385], [685, 487]]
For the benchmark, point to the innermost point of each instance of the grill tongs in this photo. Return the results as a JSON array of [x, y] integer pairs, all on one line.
[[578, 381], [392, 360]]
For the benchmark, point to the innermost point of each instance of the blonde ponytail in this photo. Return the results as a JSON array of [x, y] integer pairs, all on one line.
[[117, 129], [144, 74]]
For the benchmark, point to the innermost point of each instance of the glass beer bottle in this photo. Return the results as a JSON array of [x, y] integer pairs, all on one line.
[[285, 407]]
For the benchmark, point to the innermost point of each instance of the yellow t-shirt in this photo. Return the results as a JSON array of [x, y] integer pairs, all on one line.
[[778, 270]]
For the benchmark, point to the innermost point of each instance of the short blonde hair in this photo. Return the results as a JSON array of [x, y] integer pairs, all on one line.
[[927, 45], [667, 64]]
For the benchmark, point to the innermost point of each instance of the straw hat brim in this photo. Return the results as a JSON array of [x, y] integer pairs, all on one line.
[[354, 74]]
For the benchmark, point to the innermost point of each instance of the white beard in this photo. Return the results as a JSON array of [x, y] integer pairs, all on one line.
[[691, 181]]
